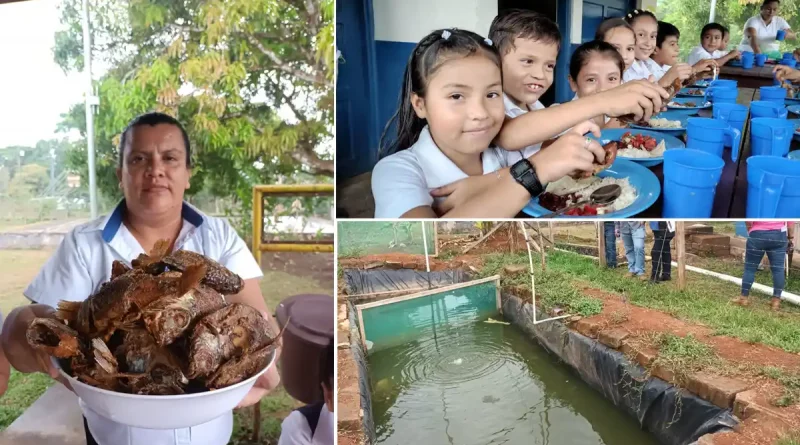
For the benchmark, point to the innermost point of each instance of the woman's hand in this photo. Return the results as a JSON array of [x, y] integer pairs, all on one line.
[[571, 153], [786, 73], [640, 98], [19, 353], [463, 190]]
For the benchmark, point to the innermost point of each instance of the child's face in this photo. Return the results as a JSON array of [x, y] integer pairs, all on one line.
[[598, 74], [528, 70], [646, 31], [463, 104], [668, 53], [725, 37], [712, 40], [624, 41]]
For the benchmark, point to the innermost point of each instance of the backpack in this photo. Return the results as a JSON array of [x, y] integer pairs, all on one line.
[[311, 413]]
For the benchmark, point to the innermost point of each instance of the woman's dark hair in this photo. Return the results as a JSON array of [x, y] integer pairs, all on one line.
[[712, 27], [433, 51], [767, 2], [585, 52], [514, 24], [609, 24], [666, 30], [637, 13], [152, 119]]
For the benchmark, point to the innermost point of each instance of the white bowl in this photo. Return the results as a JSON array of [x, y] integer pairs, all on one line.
[[162, 412]]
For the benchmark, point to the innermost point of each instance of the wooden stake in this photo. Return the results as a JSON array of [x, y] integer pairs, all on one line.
[[483, 238], [680, 236], [541, 241], [552, 237], [601, 243]]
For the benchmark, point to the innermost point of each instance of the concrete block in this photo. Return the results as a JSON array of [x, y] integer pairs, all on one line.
[[720, 391], [613, 337], [587, 327]]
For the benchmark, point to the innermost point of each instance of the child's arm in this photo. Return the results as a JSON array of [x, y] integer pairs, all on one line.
[[680, 70], [640, 98], [728, 57], [753, 34], [704, 66]]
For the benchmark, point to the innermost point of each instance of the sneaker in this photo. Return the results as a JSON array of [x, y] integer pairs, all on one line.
[[741, 301], [665, 278], [776, 304]]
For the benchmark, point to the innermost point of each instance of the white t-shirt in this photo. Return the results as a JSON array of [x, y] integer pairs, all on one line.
[[659, 70], [512, 111], [82, 263], [699, 53], [296, 431], [404, 180], [765, 34], [640, 70]]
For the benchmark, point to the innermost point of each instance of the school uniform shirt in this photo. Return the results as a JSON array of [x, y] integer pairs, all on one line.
[[404, 180], [765, 34], [512, 111], [82, 263], [699, 53], [640, 69], [296, 431], [606, 118], [659, 70]]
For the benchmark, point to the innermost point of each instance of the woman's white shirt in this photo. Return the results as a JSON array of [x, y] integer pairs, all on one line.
[[765, 34], [404, 180], [82, 263]]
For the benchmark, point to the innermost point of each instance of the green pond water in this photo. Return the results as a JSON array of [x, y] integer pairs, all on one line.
[[481, 383]]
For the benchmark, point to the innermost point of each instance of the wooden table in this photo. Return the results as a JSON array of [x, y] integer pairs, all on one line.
[[749, 78]]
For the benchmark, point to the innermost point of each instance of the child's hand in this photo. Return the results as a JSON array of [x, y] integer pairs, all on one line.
[[786, 73], [705, 66], [571, 153], [640, 98], [463, 190], [680, 71], [736, 54]]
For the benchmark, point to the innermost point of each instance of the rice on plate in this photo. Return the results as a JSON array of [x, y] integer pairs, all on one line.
[[660, 122], [583, 188]]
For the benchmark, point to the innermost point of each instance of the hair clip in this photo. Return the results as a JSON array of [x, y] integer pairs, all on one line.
[[446, 34], [488, 41]]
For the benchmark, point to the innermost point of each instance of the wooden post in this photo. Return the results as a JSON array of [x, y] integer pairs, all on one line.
[[680, 236], [552, 237], [541, 243], [601, 243], [512, 241]]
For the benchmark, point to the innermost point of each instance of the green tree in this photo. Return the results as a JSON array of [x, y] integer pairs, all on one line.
[[691, 15], [252, 80], [29, 182]]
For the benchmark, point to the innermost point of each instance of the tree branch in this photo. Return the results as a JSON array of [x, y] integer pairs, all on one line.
[[304, 154], [317, 79]]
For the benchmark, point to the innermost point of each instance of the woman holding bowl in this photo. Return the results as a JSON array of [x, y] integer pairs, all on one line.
[[153, 171], [761, 32]]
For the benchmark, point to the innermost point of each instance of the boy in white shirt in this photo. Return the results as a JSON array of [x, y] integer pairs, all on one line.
[[668, 51], [710, 44], [314, 424]]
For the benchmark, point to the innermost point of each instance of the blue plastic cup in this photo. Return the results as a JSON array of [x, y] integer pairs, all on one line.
[[722, 94], [724, 83], [772, 190], [762, 108], [734, 114], [794, 155], [781, 35], [788, 56], [775, 94], [712, 136], [761, 59], [690, 183], [790, 63], [747, 60], [770, 136]]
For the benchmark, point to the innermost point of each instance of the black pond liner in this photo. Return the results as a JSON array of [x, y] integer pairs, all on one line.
[[364, 386], [359, 282], [673, 416]]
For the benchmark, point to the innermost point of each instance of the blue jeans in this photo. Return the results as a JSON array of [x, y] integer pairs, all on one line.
[[774, 244], [634, 248], [611, 244]]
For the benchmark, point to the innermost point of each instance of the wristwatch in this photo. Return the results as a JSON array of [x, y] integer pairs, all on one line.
[[524, 173]]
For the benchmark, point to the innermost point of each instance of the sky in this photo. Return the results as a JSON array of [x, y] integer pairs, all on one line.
[[34, 91]]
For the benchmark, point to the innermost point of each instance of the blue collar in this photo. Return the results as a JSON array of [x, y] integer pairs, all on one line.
[[114, 220]]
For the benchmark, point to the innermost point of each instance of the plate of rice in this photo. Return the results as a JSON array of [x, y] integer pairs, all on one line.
[[692, 92], [654, 155], [669, 122], [640, 189], [689, 103]]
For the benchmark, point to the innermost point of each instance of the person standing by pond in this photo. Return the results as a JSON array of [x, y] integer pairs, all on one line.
[[760, 34], [632, 234], [609, 233], [772, 238], [663, 232]]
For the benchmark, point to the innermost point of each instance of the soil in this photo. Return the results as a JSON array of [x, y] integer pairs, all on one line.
[[642, 323], [347, 377]]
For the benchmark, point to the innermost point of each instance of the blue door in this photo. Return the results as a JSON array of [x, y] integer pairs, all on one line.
[[595, 11], [356, 102]]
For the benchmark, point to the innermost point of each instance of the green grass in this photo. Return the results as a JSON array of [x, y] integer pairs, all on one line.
[[705, 300], [23, 390], [790, 382], [790, 439], [684, 355], [359, 238], [735, 267]]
